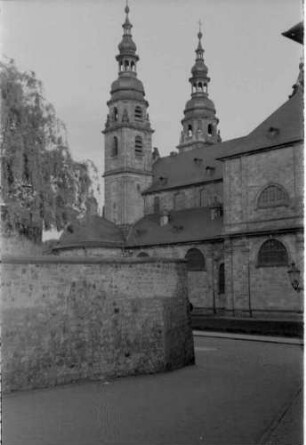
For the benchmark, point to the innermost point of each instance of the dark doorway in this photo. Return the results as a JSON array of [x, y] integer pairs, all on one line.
[[221, 279]]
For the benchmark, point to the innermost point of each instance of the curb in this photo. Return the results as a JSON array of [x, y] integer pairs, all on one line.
[[244, 337]]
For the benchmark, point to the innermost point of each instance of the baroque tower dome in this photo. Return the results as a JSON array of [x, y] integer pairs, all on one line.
[[200, 121], [128, 138], [127, 86]]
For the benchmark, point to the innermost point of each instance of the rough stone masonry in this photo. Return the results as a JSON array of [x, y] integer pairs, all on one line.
[[72, 319]]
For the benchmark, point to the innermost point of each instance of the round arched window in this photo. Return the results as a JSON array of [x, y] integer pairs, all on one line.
[[195, 260], [142, 255], [271, 196], [272, 253], [210, 129], [115, 146], [115, 114], [138, 113], [138, 145]]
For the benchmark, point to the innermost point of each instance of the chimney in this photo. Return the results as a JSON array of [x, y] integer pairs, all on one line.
[[216, 209], [164, 218], [210, 170]]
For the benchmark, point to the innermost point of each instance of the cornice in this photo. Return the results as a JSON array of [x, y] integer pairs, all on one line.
[[121, 170], [146, 128]]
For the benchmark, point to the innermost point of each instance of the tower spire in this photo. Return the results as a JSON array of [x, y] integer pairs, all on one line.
[[127, 56], [128, 138], [127, 26], [200, 121], [200, 50]]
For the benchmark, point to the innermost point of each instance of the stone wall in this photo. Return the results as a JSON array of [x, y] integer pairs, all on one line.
[[261, 291], [203, 286], [71, 319], [101, 252], [185, 198], [246, 177], [128, 174]]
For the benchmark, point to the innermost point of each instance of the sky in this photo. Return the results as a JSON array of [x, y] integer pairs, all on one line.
[[72, 47]]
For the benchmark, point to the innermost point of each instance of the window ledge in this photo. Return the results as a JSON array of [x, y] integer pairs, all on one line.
[[271, 265], [262, 207]]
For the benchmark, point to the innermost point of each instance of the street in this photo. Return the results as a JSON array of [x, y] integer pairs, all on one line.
[[231, 396]]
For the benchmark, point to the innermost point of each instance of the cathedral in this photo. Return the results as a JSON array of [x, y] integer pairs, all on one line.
[[232, 210]]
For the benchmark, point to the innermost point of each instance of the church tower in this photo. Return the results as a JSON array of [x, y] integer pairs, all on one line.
[[200, 121], [128, 139]]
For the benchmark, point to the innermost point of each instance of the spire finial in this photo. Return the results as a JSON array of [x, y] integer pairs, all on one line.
[[127, 9], [127, 26], [200, 35]]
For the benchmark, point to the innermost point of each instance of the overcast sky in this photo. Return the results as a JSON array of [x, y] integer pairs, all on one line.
[[72, 46]]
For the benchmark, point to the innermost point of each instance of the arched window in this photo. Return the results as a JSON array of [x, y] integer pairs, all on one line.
[[272, 196], [195, 260], [221, 279], [272, 253], [142, 255], [210, 129], [26, 170], [203, 198], [138, 114], [200, 86], [189, 130], [126, 65], [133, 66], [156, 204], [115, 146], [138, 145], [115, 113]]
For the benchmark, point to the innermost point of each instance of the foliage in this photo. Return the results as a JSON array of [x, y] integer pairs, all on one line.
[[42, 186]]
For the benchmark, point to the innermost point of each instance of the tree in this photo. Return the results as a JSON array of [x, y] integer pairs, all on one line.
[[42, 186]]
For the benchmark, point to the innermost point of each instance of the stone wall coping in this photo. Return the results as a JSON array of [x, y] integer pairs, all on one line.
[[89, 244], [10, 259]]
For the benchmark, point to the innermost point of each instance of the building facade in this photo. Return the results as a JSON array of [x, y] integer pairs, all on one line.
[[233, 209]]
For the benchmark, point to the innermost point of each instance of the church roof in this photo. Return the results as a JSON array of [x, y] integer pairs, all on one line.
[[184, 226], [191, 167], [282, 127], [91, 231]]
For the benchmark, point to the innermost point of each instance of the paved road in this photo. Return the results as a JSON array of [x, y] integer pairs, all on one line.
[[231, 397]]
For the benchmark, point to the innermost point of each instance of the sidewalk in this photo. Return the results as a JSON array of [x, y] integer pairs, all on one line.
[[285, 430]]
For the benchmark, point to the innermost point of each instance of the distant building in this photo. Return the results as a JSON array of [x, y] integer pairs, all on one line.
[[233, 209]]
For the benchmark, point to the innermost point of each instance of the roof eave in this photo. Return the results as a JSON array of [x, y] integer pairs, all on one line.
[[180, 186], [256, 150]]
